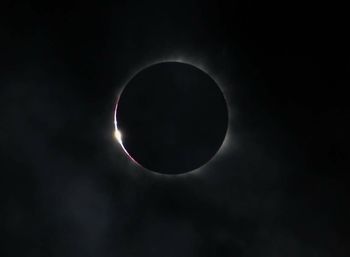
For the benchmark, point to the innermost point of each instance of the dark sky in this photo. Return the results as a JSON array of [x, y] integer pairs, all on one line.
[[279, 188]]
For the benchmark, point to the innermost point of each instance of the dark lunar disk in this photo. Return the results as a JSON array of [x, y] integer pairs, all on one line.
[[172, 117]]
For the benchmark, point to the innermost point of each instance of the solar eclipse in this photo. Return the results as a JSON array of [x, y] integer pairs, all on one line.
[[171, 118]]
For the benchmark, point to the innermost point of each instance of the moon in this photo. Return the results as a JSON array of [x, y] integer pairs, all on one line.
[[171, 118]]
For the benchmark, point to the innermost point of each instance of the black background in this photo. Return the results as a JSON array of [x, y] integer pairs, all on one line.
[[279, 188]]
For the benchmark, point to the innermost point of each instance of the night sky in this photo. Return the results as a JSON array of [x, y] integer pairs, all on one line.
[[279, 187]]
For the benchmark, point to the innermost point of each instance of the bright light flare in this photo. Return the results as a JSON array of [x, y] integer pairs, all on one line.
[[118, 136]]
